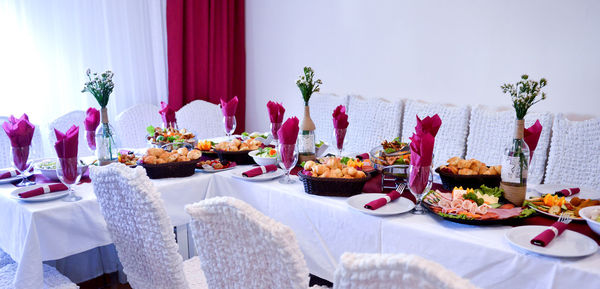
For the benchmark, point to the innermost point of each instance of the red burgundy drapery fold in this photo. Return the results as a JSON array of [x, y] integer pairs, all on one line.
[[206, 52]]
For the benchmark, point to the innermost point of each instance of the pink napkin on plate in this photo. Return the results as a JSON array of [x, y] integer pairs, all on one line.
[[168, 115], [531, 136], [568, 192], [43, 190], [276, 111], [9, 174], [228, 107], [91, 122], [545, 237], [66, 150], [257, 171], [378, 203]]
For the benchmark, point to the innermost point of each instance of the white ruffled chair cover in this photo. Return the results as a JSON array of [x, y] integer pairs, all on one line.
[[202, 118], [371, 122], [451, 139], [490, 131], [394, 271], [321, 111], [574, 156], [63, 123], [241, 248], [130, 125], [52, 278], [141, 230]]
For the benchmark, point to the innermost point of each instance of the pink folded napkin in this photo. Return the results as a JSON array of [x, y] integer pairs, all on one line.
[[91, 122], [378, 203], [568, 192], [340, 124], [9, 174], [545, 237], [66, 150], [428, 124], [276, 112], [43, 190], [288, 134], [168, 115], [228, 107], [531, 136], [257, 171], [421, 151], [19, 130]]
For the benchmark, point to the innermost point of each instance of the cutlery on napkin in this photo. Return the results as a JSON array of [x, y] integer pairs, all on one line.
[[531, 135], [393, 195], [545, 237], [91, 122], [568, 192], [257, 171], [43, 190], [168, 115]]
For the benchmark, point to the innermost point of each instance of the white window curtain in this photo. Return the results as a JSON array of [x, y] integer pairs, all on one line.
[[47, 45]]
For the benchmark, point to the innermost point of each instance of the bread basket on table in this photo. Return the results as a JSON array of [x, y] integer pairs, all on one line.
[[336, 187], [450, 180], [239, 157]]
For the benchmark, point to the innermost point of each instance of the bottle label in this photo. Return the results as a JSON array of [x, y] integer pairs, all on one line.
[[307, 143], [511, 170]]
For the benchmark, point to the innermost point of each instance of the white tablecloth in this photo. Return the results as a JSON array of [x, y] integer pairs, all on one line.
[[36, 232]]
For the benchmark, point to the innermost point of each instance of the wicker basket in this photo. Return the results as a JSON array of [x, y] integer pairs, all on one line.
[[239, 157], [336, 187], [170, 170], [449, 180]]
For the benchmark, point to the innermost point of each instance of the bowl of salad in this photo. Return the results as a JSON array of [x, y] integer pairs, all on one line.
[[48, 169], [592, 217], [264, 138], [264, 156]]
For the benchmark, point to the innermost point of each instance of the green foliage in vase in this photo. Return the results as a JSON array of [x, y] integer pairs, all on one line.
[[307, 85], [525, 94], [100, 86]]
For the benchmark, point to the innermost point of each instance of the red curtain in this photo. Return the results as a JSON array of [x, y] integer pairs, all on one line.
[[206, 52]]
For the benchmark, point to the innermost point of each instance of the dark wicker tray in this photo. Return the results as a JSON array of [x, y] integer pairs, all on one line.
[[449, 181], [239, 157], [336, 187], [170, 170]]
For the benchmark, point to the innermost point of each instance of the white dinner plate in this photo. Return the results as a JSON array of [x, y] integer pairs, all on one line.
[[264, 177], [10, 180], [395, 207], [568, 244], [41, 198], [214, 171], [585, 193]]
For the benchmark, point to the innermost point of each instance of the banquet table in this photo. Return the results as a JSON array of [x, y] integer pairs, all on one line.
[[325, 227]]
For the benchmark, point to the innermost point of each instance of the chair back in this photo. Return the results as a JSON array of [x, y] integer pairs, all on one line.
[[321, 112], [574, 157], [371, 122], [130, 125], [239, 247], [63, 123], [394, 271], [491, 131], [139, 226], [202, 118], [451, 139]]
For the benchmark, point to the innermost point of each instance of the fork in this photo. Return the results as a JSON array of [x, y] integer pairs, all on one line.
[[400, 188], [564, 218]]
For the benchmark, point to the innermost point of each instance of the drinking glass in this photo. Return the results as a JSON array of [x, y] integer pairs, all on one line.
[[229, 124], [275, 126], [90, 136], [69, 171], [287, 157], [339, 135], [420, 179], [21, 161]]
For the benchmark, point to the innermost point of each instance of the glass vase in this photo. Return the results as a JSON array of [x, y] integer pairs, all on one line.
[[306, 145], [515, 165], [106, 145]]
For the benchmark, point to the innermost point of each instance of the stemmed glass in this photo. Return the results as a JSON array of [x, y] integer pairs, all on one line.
[[229, 124], [287, 157], [69, 171], [91, 140], [21, 161], [420, 179], [275, 126], [340, 135]]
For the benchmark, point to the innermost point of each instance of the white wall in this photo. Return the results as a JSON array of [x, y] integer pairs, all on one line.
[[435, 50]]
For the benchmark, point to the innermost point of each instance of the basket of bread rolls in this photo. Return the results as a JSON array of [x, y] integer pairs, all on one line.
[[237, 150], [160, 163], [468, 174], [331, 177]]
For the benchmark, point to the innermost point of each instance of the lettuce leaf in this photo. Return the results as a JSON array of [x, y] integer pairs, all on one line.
[[150, 130], [460, 217]]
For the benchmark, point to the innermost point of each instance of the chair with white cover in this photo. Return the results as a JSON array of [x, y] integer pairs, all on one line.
[[372, 121], [451, 139], [491, 130], [394, 271], [130, 125], [202, 118], [321, 111], [52, 278], [239, 247], [141, 230], [63, 123], [574, 157]]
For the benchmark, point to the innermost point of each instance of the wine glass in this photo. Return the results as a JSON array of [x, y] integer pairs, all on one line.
[[420, 179], [340, 135], [275, 126], [21, 161], [90, 136], [229, 124], [287, 157], [69, 171]]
